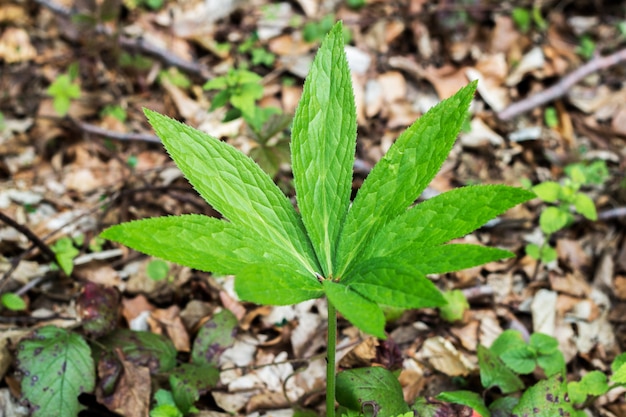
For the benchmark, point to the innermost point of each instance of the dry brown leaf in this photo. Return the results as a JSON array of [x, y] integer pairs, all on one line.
[[169, 320], [132, 393], [444, 357], [15, 46]]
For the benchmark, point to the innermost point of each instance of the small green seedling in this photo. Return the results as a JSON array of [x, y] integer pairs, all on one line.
[[587, 47], [566, 199], [65, 251], [175, 77], [12, 301], [360, 255], [157, 269], [550, 117], [315, 31], [525, 18], [63, 90], [240, 88], [114, 111], [258, 54]]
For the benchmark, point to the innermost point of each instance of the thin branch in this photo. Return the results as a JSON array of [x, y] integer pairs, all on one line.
[[612, 213], [96, 130], [45, 249], [563, 86], [137, 44]]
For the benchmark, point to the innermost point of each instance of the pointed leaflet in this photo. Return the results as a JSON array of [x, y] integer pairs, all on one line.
[[323, 145], [389, 282], [402, 174], [236, 187], [453, 257], [271, 284], [202, 242], [445, 217], [358, 310]]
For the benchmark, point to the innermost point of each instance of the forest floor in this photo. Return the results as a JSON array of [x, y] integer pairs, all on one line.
[[77, 155]]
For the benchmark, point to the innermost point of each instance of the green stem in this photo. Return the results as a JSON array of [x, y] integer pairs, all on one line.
[[330, 360]]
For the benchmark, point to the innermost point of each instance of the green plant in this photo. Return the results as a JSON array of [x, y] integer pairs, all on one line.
[[455, 307], [65, 252], [12, 301], [587, 47], [272, 144], [524, 18], [550, 117], [566, 199], [258, 54], [241, 89], [356, 4], [315, 31], [175, 77], [114, 111], [63, 90], [361, 256]]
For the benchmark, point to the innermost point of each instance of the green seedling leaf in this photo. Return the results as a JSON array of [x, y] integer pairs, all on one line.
[[553, 219], [494, 373], [456, 307], [63, 90], [551, 117], [12, 301], [585, 206], [508, 339], [467, 398], [552, 363], [323, 147], [57, 367], [401, 175], [98, 308], [521, 18], [547, 398], [374, 390], [619, 374], [543, 343], [190, 381], [522, 360], [157, 269], [65, 251], [618, 362], [142, 349], [548, 191], [214, 337], [166, 406], [592, 384]]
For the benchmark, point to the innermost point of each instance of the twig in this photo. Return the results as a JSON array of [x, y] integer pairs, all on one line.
[[562, 87], [96, 130], [137, 44], [30, 235], [612, 213]]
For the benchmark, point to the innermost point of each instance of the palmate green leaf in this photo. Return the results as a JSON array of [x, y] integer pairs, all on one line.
[[445, 217], [402, 174], [387, 281], [272, 284], [236, 187], [493, 372], [200, 242], [358, 310], [323, 145]]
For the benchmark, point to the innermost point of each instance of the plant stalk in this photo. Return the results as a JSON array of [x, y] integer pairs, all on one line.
[[330, 360]]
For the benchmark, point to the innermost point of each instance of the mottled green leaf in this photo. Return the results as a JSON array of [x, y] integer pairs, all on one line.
[[190, 381], [213, 338], [373, 391], [547, 398], [142, 349], [56, 368], [323, 145]]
